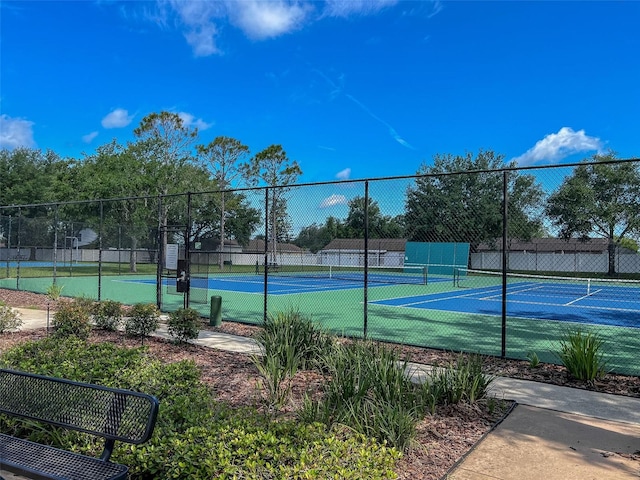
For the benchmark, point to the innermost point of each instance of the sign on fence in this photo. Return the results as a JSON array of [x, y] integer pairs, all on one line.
[[171, 256]]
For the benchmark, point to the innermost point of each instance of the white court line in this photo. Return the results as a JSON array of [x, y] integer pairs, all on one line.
[[582, 298], [515, 290], [494, 298], [428, 301]]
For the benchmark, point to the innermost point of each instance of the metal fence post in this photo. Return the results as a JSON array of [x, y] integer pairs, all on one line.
[[366, 258], [505, 258]]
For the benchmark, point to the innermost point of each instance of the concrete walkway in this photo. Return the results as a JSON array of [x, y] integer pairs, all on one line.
[[555, 433]]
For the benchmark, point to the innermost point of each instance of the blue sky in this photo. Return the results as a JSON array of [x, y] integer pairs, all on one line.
[[350, 89]]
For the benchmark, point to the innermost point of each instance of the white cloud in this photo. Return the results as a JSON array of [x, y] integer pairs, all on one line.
[[202, 21], [259, 19], [198, 18], [15, 132], [118, 118], [191, 121], [344, 174], [202, 40], [342, 8], [556, 146], [88, 138], [333, 200]]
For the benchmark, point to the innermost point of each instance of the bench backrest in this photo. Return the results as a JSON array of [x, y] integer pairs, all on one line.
[[113, 414]]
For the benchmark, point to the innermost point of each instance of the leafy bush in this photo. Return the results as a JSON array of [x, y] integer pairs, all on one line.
[[107, 314], [9, 319], [277, 375], [534, 360], [461, 381], [369, 391], [242, 445], [72, 319], [74, 359], [143, 320], [290, 341], [85, 302], [185, 402], [54, 291], [184, 324], [581, 353], [291, 331]]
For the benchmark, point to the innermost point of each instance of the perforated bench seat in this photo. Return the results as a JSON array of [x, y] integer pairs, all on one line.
[[111, 413], [40, 461]]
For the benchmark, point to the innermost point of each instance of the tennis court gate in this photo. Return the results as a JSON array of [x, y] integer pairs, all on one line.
[[177, 275]]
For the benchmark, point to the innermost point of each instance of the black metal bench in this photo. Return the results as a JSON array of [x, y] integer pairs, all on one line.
[[113, 414]]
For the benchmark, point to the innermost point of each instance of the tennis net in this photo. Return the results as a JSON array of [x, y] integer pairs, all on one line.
[[551, 286], [414, 274]]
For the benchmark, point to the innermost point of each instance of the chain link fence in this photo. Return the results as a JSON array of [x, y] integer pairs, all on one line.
[[473, 261]]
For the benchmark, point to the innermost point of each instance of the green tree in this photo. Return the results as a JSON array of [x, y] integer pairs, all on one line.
[[628, 243], [223, 156], [240, 218], [459, 199], [380, 226], [315, 237], [30, 176], [273, 167], [602, 198], [167, 143], [311, 237], [121, 173]]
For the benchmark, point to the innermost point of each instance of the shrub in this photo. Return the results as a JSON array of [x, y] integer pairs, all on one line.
[[143, 320], [254, 448], [290, 341], [72, 319], [9, 319], [74, 359], [290, 334], [184, 324], [461, 381], [54, 291], [368, 390], [107, 314], [581, 353], [86, 303], [534, 360], [277, 376], [185, 402]]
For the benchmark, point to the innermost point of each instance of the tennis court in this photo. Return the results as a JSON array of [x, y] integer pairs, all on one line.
[[586, 301], [298, 280]]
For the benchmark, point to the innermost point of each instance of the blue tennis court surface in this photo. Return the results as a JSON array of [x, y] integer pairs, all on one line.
[[617, 306], [277, 285]]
